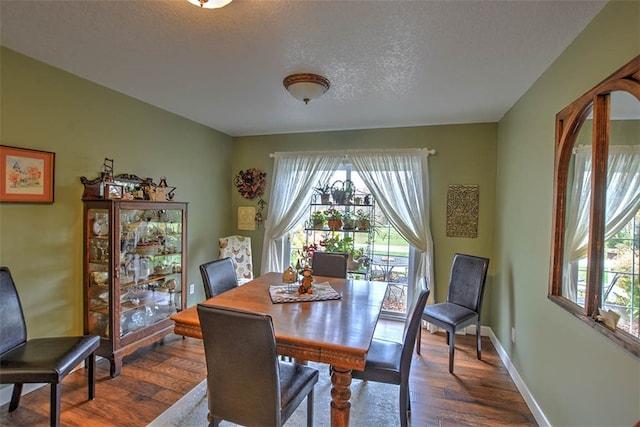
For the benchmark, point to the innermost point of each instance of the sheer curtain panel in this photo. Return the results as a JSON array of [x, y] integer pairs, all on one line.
[[399, 182], [294, 175]]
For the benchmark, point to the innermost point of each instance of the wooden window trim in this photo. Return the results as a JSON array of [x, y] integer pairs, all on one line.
[[568, 123]]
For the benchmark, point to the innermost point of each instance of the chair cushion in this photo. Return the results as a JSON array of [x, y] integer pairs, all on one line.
[[45, 359], [296, 381], [448, 315], [383, 363]]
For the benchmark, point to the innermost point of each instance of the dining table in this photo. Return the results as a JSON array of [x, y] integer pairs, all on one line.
[[337, 331]]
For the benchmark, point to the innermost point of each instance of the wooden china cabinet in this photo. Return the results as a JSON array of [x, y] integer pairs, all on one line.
[[134, 272]]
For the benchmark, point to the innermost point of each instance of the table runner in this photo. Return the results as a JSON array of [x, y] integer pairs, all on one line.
[[289, 293]]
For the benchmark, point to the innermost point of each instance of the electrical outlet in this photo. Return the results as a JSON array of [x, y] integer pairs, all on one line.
[[513, 334], [192, 289]]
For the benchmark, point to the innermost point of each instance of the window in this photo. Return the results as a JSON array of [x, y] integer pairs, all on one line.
[[399, 183], [595, 269], [387, 253]]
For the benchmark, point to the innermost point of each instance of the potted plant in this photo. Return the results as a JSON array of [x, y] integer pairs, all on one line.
[[318, 219], [359, 259], [334, 218], [363, 219], [336, 244], [342, 192], [324, 191], [348, 221]]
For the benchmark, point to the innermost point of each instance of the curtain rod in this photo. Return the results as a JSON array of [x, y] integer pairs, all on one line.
[[430, 151]]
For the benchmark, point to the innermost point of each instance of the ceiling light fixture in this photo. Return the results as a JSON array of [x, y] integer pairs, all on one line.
[[210, 4], [306, 86]]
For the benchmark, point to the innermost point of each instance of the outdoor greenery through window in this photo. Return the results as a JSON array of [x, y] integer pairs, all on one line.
[[621, 285], [377, 253]]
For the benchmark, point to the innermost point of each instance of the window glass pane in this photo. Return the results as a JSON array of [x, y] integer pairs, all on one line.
[[620, 291], [575, 262], [389, 261], [621, 284]]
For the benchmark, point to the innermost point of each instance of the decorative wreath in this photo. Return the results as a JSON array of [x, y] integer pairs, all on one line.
[[250, 183]]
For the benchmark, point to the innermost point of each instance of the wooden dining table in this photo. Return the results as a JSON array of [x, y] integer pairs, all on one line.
[[337, 332]]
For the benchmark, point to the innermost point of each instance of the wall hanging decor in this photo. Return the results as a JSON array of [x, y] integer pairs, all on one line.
[[26, 176], [246, 218], [250, 183], [463, 205]]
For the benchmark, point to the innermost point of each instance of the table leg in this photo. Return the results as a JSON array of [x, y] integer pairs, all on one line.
[[340, 396]]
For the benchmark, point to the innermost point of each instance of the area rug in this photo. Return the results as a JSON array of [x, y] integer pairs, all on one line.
[[372, 404]]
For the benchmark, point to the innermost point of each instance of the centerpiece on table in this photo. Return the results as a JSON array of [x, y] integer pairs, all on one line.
[[306, 284]]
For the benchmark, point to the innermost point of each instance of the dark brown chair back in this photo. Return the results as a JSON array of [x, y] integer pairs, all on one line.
[[218, 276], [242, 366], [13, 329], [330, 264], [466, 282]]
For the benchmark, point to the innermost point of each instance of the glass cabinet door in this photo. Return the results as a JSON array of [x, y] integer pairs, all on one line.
[[150, 266], [99, 245]]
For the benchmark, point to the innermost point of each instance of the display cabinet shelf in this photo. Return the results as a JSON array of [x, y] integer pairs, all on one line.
[[134, 272]]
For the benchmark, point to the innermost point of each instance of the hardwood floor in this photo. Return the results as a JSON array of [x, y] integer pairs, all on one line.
[[480, 393]]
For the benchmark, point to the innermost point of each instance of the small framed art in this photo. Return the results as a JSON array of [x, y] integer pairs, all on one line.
[[26, 176], [246, 218], [112, 191]]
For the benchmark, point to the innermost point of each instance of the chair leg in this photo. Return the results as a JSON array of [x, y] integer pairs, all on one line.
[[451, 336], [91, 363], [478, 342], [310, 409], [56, 389], [404, 405], [15, 397]]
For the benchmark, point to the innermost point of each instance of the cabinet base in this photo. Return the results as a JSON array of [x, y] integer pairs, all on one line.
[[115, 358]]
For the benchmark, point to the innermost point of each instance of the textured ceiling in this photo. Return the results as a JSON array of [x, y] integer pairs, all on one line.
[[390, 63]]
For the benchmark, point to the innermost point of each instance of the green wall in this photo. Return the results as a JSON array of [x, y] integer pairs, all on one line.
[[47, 109], [577, 376], [465, 155]]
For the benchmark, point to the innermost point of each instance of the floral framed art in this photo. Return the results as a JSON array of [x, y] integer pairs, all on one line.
[[26, 176]]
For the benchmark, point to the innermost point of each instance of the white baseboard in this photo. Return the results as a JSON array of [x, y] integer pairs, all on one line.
[[486, 331], [7, 389], [535, 409]]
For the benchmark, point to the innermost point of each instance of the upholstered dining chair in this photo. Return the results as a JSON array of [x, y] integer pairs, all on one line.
[[39, 360], [330, 264], [246, 383], [464, 301], [390, 362], [238, 248], [218, 276]]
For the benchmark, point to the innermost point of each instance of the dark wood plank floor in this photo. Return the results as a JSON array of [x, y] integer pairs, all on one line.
[[480, 393]]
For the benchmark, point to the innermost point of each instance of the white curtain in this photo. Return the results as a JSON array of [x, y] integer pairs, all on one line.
[[399, 182], [622, 203], [294, 175]]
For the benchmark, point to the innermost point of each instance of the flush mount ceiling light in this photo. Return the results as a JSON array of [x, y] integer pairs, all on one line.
[[306, 86], [210, 4]]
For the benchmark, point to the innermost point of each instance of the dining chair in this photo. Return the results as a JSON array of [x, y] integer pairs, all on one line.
[[330, 264], [246, 383], [238, 248], [39, 360], [390, 362], [464, 301], [218, 276]]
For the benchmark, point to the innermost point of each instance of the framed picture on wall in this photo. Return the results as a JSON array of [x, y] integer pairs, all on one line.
[[26, 176]]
